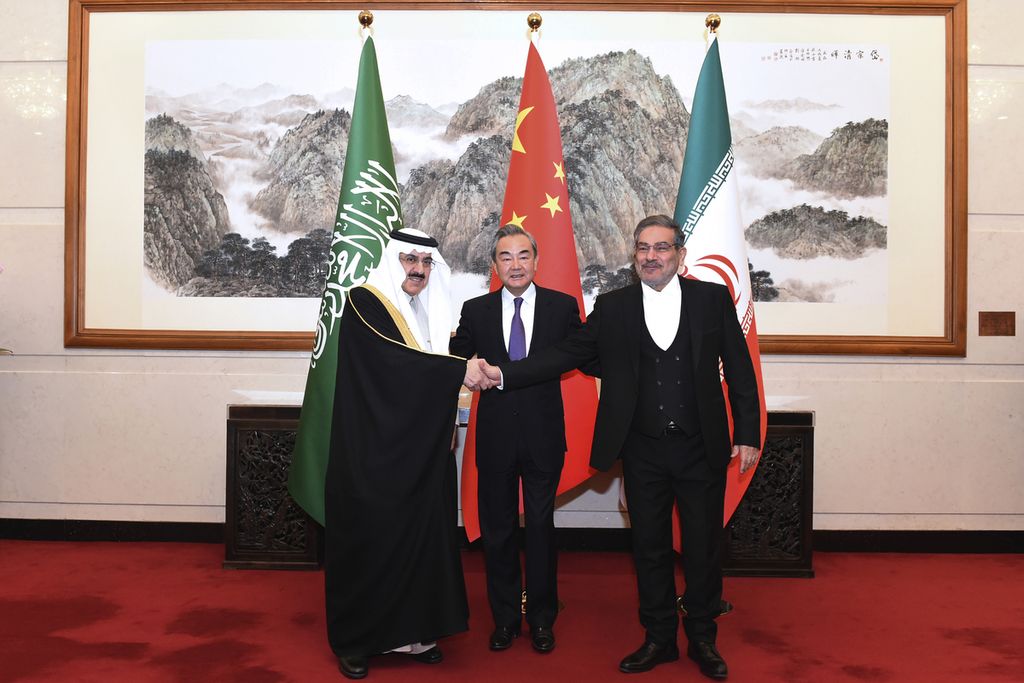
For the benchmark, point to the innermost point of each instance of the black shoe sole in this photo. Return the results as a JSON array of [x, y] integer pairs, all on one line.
[[660, 660], [353, 675]]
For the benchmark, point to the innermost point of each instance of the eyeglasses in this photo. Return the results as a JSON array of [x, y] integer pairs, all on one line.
[[660, 248], [410, 260]]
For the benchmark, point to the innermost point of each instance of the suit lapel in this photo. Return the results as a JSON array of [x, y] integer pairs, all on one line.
[[493, 324], [635, 322], [540, 319]]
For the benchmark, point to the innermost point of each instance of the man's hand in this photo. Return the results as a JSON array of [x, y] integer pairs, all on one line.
[[748, 456], [491, 372], [475, 379]]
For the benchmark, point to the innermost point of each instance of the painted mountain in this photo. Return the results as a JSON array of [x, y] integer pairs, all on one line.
[[185, 215], [267, 164]]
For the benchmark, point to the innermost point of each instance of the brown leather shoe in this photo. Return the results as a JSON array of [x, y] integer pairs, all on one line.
[[353, 667], [709, 660], [649, 656]]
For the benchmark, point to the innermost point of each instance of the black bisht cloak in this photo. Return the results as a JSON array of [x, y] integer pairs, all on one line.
[[393, 570]]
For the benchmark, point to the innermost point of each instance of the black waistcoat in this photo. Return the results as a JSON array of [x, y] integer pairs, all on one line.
[[666, 383]]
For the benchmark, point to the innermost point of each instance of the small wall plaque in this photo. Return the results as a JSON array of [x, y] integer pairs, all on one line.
[[997, 324]]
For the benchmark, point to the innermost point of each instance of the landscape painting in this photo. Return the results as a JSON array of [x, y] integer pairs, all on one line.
[[245, 146]]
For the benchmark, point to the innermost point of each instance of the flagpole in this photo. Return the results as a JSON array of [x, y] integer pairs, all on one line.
[[711, 24]]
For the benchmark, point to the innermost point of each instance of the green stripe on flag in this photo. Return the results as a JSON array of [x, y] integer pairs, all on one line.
[[708, 139], [368, 209]]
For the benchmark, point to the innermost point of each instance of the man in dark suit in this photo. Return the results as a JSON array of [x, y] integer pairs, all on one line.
[[662, 411], [520, 436]]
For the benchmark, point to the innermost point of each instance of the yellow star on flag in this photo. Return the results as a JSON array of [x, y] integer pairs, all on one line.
[[516, 220], [559, 171], [517, 146], [551, 204]]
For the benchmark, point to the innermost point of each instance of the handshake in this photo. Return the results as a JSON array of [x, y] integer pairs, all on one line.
[[481, 375]]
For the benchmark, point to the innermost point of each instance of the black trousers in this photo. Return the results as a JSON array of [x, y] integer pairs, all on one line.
[[658, 472], [498, 501]]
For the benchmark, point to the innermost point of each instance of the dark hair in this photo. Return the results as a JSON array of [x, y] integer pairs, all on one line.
[[662, 221], [507, 231]]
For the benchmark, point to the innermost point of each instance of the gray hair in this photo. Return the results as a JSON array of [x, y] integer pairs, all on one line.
[[662, 221], [507, 231]]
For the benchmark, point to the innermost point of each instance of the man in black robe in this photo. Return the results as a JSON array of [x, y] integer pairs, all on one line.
[[393, 571]]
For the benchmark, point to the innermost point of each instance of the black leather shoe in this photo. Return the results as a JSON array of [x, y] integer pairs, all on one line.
[[353, 667], [649, 656], [502, 638], [709, 660], [543, 639], [431, 656]]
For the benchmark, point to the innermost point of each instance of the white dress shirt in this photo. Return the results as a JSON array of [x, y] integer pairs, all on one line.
[[526, 311], [421, 321], [661, 312]]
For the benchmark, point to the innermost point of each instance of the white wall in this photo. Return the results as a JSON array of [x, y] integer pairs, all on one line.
[[131, 435]]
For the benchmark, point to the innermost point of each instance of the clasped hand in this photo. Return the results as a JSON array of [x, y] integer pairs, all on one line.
[[481, 375]]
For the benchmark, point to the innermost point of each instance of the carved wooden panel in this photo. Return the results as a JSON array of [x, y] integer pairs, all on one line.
[[770, 532], [264, 527], [769, 535]]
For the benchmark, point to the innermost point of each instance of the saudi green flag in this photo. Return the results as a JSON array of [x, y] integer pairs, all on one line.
[[368, 210]]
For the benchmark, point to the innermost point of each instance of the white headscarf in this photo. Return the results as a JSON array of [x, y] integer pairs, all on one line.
[[389, 275]]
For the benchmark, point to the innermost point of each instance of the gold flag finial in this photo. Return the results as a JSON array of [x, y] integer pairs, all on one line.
[[713, 21], [365, 18], [534, 21]]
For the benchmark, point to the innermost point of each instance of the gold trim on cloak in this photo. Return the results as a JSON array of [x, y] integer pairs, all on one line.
[[396, 316], [408, 339]]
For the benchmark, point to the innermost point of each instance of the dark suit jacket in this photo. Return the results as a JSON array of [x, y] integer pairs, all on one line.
[[612, 336], [534, 412]]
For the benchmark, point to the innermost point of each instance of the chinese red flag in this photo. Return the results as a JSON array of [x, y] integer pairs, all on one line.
[[537, 199]]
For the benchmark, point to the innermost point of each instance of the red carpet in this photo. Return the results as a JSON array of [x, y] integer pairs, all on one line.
[[168, 612]]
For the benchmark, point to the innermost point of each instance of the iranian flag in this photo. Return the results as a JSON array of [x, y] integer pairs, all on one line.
[[708, 209], [537, 200], [368, 210]]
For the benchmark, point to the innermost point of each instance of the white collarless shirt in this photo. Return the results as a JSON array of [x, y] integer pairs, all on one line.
[[526, 312], [661, 312]]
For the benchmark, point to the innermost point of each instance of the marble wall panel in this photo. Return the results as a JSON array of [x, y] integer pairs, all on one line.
[[32, 113], [33, 31], [993, 32], [903, 446], [32, 289], [996, 283], [32, 432], [996, 136]]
